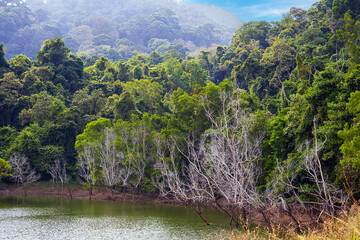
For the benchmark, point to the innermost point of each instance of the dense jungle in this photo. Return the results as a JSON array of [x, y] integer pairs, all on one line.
[[147, 102]]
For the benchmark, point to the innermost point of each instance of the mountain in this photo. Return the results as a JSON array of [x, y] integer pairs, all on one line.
[[115, 29]]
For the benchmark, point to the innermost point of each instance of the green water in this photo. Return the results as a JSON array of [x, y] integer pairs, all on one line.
[[61, 218]]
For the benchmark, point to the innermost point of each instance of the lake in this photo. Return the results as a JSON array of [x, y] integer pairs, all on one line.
[[63, 218]]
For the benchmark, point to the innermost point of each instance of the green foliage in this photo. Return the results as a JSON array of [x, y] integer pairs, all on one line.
[[10, 92], [103, 39], [46, 109], [147, 94], [125, 106], [20, 64], [283, 74], [340, 7], [5, 168], [53, 52], [351, 134], [257, 31], [92, 132], [3, 62]]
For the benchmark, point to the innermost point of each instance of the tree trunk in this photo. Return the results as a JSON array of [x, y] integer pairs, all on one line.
[[231, 215], [69, 189], [198, 211], [298, 225], [244, 218], [262, 210], [90, 192]]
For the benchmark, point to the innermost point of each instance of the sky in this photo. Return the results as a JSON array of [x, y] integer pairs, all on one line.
[[257, 10]]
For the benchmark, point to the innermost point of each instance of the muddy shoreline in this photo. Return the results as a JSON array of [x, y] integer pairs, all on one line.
[[78, 193]]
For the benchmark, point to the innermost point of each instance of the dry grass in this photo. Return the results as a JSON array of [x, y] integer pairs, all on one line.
[[347, 228]]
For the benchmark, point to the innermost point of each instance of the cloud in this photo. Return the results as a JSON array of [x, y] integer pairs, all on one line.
[[270, 9], [263, 11]]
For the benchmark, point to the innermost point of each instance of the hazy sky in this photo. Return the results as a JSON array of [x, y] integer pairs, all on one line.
[[255, 10]]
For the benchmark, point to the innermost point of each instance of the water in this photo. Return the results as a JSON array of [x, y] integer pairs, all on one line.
[[59, 218]]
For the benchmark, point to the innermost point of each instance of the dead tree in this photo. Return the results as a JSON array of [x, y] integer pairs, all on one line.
[[110, 160], [22, 173], [286, 182], [327, 195], [87, 167], [180, 181], [140, 145], [128, 152], [59, 175], [227, 156]]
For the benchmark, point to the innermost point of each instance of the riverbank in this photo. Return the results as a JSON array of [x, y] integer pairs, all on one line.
[[76, 191]]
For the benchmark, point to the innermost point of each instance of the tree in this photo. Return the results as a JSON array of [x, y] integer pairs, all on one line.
[[87, 166], [110, 159], [92, 133], [46, 108], [146, 93], [89, 105], [58, 173], [257, 31], [340, 7], [135, 138], [138, 74], [227, 155], [22, 173], [280, 57], [195, 73], [306, 182], [222, 163], [103, 39], [351, 134], [180, 181], [10, 91], [162, 24], [20, 64], [3, 61], [155, 58], [5, 168], [53, 52], [125, 106]]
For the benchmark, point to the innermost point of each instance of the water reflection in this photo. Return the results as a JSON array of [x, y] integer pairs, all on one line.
[[56, 218]]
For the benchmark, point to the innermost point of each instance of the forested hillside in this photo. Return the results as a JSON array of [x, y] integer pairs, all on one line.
[[114, 29], [271, 119]]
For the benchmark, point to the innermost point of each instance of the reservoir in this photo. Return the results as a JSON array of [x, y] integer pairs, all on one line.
[[64, 218]]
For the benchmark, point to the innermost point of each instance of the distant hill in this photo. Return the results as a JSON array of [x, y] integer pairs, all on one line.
[[116, 28]]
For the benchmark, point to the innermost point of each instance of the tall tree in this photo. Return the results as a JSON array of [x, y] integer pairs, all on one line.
[[53, 52]]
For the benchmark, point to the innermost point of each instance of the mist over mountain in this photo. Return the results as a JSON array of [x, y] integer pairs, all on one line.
[[115, 29]]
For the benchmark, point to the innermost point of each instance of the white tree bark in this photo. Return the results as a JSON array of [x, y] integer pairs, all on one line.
[[110, 159], [87, 167], [22, 173]]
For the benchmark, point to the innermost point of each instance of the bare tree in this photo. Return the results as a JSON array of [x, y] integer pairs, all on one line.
[[326, 194], [135, 139], [59, 175], [129, 156], [227, 156], [22, 173], [179, 181], [286, 182], [110, 159], [222, 164], [87, 166]]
